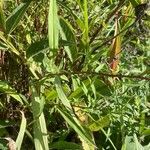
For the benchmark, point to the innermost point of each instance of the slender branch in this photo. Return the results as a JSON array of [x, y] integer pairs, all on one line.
[[107, 41], [108, 18], [98, 73]]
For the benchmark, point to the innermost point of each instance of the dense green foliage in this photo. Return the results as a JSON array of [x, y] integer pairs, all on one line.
[[74, 74]]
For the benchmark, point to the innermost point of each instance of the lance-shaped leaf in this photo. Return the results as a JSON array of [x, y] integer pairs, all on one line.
[[7, 89], [21, 132], [53, 25], [115, 49], [39, 127], [82, 132], [8, 44], [61, 94], [15, 17], [68, 35]]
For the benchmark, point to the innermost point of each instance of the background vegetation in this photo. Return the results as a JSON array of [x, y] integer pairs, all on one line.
[[74, 75]]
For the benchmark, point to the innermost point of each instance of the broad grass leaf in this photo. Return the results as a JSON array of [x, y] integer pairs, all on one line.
[[53, 25], [65, 145], [82, 132], [99, 124], [7, 89], [20, 136], [39, 126], [15, 17]]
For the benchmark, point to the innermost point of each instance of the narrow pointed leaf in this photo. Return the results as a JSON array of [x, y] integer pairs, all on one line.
[[61, 93], [21, 132], [2, 20], [7, 89], [53, 26], [83, 133], [39, 127], [15, 17]]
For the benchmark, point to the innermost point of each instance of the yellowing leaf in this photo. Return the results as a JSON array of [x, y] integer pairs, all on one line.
[[115, 50]]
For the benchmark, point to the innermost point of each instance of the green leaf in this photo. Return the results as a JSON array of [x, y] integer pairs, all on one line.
[[82, 132], [102, 88], [68, 35], [79, 91], [147, 147], [128, 144], [8, 44], [36, 50], [131, 142], [99, 124], [53, 25], [146, 132], [2, 147], [20, 136], [4, 87], [15, 17], [6, 123], [137, 144], [65, 145], [61, 94], [39, 126], [2, 20], [135, 2], [3, 46]]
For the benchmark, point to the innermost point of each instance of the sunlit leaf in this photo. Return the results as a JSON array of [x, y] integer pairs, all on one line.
[[53, 26], [7, 89], [21, 133], [39, 126]]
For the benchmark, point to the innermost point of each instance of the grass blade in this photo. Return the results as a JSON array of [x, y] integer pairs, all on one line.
[[53, 25], [2, 19], [83, 133], [21, 132], [39, 127], [68, 35], [13, 20], [4, 87], [61, 94]]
